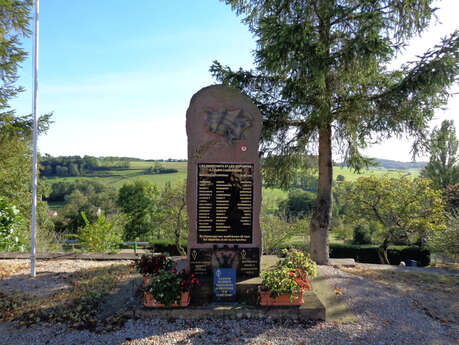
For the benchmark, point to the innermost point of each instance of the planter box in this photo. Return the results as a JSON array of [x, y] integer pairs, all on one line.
[[282, 300], [150, 302]]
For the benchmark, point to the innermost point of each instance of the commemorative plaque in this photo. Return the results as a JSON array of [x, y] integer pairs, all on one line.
[[249, 262], [224, 284], [201, 261], [225, 199]]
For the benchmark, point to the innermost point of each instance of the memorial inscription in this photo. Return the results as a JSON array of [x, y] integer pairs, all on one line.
[[225, 199], [201, 262], [249, 262], [224, 284]]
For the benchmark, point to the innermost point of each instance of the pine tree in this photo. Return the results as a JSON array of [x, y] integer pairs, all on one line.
[[322, 77], [16, 131]]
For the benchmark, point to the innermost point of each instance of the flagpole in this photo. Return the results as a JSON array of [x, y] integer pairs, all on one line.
[[35, 135]]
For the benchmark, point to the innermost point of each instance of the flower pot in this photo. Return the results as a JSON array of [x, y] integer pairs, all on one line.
[[146, 279], [149, 301], [282, 300]]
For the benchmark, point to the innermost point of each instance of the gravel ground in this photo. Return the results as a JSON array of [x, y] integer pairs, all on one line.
[[385, 316]]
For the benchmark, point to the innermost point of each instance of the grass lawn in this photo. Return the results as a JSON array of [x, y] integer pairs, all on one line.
[[350, 175]]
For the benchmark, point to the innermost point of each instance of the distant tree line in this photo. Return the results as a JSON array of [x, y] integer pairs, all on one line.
[[166, 160], [78, 166], [159, 169], [392, 165]]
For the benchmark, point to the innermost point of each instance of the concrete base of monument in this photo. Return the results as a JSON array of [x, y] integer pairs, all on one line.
[[312, 309]]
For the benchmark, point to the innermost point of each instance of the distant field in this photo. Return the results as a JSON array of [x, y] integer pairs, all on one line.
[[137, 169], [349, 174]]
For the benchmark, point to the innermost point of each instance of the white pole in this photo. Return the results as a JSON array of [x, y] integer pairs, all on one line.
[[35, 135]]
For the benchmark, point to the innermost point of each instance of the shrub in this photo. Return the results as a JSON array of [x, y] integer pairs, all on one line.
[[447, 240], [100, 236], [276, 231], [152, 264], [11, 220], [299, 204], [362, 234], [341, 230], [369, 253], [290, 274]]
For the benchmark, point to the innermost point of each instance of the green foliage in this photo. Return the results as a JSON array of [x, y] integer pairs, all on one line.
[[342, 230], [159, 169], [280, 280], [165, 287], [451, 198], [11, 223], [299, 204], [447, 240], [362, 234], [151, 264], [442, 168], [117, 177], [100, 236], [277, 231], [76, 166], [297, 259], [407, 209], [323, 64], [166, 283], [290, 274], [14, 26], [140, 201], [16, 131], [82, 196], [174, 217]]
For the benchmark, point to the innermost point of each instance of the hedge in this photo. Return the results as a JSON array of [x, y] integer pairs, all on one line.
[[369, 254]]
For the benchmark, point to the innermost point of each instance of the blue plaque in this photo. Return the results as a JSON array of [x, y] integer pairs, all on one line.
[[224, 284]]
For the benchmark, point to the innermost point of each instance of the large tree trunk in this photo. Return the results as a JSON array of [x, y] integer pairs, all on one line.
[[320, 221]]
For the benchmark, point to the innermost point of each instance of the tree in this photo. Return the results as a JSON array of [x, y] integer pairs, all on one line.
[[11, 238], [82, 196], [447, 240], [16, 131], [321, 76], [409, 210], [101, 236], [299, 204], [14, 25], [139, 200], [442, 168], [174, 215]]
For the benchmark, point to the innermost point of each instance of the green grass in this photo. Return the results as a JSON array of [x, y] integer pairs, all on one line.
[[350, 175]]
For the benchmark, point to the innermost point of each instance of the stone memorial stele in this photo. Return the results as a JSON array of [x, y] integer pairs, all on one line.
[[224, 183]]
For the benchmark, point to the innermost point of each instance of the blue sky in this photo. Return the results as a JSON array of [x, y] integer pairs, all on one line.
[[119, 75]]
